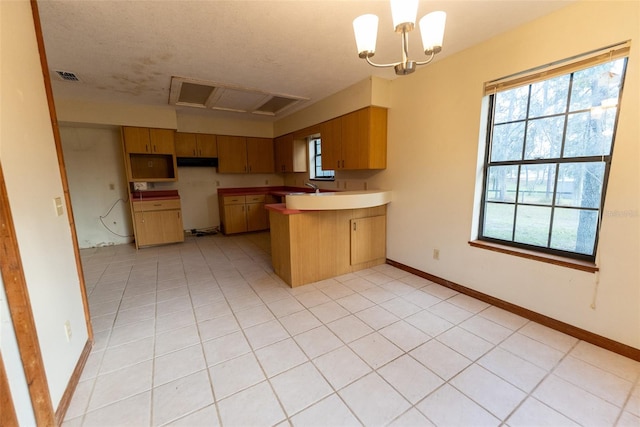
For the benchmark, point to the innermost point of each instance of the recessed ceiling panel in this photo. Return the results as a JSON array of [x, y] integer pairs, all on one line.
[[217, 96], [238, 100], [192, 93], [275, 104]]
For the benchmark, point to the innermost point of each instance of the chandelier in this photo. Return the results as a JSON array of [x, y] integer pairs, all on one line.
[[404, 14]]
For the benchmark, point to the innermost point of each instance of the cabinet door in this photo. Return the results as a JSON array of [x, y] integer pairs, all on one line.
[[149, 228], [331, 143], [186, 145], [260, 155], [235, 219], [368, 239], [355, 136], [172, 229], [136, 140], [206, 145], [232, 154], [158, 227], [284, 153], [257, 218], [162, 141]]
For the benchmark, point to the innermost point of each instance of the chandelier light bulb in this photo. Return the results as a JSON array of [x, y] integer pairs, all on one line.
[[365, 28], [404, 14], [432, 31]]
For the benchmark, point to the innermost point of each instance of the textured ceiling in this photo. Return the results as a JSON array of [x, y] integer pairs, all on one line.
[[127, 51]]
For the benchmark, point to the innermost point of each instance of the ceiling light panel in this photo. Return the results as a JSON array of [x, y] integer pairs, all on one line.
[[216, 96], [192, 93]]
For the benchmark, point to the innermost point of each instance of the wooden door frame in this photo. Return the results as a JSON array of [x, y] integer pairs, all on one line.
[[19, 303], [8, 417]]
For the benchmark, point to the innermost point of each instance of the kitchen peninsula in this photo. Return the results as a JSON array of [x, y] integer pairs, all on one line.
[[322, 235]]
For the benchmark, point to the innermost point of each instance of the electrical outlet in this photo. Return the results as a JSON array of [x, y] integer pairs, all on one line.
[[266, 182], [436, 254], [112, 186], [67, 330], [217, 183]]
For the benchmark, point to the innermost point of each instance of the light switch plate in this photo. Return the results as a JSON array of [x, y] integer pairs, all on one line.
[[57, 204]]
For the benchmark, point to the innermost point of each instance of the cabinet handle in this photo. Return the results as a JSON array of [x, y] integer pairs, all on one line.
[[343, 163], [338, 165], [199, 152], [146, 147], [157, 204], [354, 226], [155, 149], [194, 152]]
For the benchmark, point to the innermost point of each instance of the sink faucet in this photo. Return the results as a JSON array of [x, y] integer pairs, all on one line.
[[312, 185]]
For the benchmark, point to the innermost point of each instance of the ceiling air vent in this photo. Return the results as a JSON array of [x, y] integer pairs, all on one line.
[[67, 76], [221, 97]]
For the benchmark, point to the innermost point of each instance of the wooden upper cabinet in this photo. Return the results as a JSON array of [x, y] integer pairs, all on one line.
[[162, 141], [283, 147], [239, 154], [136, 140], [186, 145], [232, 154], [206, 145], [260, 155], [195, 145], [355, 141], [148, 140], [331, 142], [290, 154], [149, 154]]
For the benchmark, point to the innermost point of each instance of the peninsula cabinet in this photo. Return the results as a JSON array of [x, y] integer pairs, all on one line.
[[290, 154], [196, 145], [310, 246], [239, 154], [355, 141], [157, 222], [149, 154]]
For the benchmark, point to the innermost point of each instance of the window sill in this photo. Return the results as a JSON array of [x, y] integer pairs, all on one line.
[[587, 266]]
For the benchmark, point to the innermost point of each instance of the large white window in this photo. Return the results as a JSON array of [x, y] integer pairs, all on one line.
[[549, 148]]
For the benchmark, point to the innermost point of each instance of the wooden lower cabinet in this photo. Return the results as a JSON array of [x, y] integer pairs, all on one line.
[[368, 239], [235, 219], [239, 214], [317, 245], [157, 222], [257, 218]]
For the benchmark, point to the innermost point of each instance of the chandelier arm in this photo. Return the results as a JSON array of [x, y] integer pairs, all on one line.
[[381, 65], [425, 62]]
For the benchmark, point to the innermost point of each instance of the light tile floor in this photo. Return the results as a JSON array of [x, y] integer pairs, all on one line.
[[204, 334]]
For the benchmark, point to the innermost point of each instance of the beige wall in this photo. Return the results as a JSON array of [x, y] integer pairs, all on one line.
[[98, 185], [30, 165], [432, 169]]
